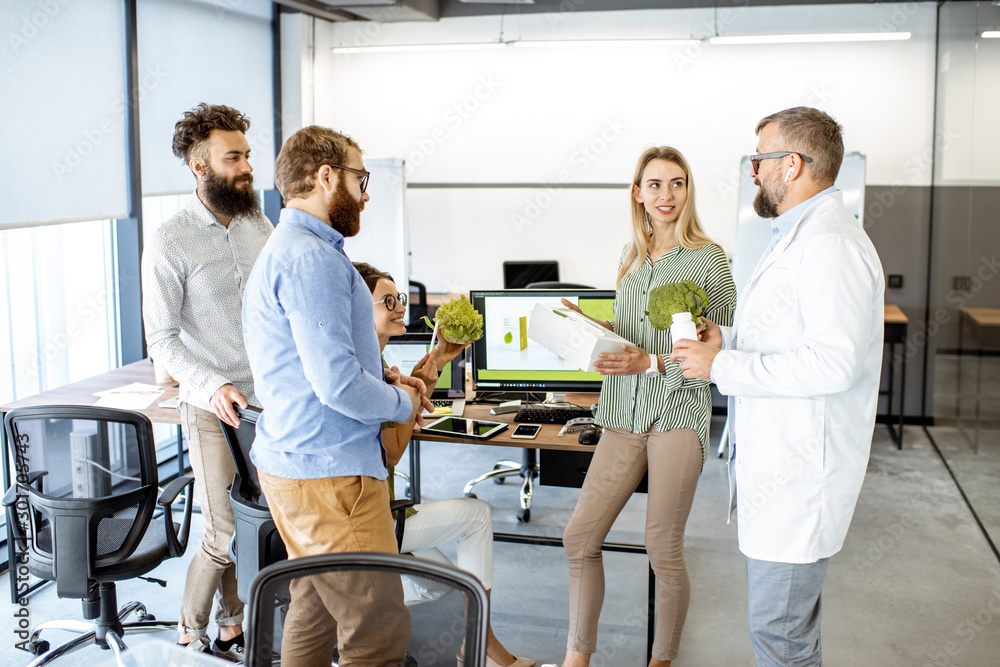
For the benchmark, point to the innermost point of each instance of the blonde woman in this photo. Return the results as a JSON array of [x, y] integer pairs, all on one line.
[[653, 418]]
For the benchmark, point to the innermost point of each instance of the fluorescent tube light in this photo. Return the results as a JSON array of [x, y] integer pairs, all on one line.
[[991, 34], [397, 48], [804, 39], [524, 44]]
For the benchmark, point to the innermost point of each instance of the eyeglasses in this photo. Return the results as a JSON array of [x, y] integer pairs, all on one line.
[[360, 172], [755, 159], [389, 301]]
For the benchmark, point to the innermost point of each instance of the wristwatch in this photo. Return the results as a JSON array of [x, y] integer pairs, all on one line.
[[654, 365]]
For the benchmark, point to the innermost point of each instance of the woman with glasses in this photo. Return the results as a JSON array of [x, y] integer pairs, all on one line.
[[654, 420], [430, 525]]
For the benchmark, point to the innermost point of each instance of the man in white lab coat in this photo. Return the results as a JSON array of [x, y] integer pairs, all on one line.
[[801, 368]]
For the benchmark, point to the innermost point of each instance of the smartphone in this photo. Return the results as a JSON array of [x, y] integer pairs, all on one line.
[[528, 431]]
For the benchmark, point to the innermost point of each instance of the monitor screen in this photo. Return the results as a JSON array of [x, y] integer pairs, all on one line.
[[522, 273], [506, 360], [405, 351]]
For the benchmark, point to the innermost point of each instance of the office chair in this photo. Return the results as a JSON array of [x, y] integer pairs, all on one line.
[[256, 542], [528, 469], [438, 625], [88, 515], [417, 308]]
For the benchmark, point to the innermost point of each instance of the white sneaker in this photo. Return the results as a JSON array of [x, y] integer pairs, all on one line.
[[198, 644]]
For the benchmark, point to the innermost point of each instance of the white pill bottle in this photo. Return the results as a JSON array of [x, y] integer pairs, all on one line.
[[681, 327]]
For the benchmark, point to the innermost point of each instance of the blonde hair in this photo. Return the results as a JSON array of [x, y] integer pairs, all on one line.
[[688, 231]]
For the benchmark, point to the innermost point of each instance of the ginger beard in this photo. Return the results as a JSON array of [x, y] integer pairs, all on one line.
[[344, 211]]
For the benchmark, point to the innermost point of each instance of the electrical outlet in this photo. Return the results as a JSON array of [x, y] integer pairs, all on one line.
[[961, 283], [895, 281]]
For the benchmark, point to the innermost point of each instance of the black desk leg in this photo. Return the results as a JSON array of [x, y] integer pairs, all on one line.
[[415, 471], [650, 615]]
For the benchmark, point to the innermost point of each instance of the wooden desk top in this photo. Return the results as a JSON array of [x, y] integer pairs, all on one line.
[[893, 315], [547, 438], [984, 317], [82, 392]]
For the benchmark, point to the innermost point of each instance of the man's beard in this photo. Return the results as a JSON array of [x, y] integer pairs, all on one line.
[[765, 204], [344, 211], [227, 196]]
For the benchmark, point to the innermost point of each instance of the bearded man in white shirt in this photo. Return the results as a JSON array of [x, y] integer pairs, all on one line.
[[194, 273], [801, 367]]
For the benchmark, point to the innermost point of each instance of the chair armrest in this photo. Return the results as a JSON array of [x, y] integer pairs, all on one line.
[[400, 505], [10, 501], [177, 540], [10, 497]]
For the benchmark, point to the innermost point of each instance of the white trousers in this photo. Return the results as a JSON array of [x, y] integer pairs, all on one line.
[[467, 520]]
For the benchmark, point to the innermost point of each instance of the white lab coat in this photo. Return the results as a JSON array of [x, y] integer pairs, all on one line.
[[804, 375]]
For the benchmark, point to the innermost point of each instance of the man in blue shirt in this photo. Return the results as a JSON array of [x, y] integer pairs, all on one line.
[[311, 341]]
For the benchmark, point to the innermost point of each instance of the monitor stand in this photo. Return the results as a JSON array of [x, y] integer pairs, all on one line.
[[497, 397]]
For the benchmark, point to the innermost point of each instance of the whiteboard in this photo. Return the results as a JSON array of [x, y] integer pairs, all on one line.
[[753, 233], [382, 241]]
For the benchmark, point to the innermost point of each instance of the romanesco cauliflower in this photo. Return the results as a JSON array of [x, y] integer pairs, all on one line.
[[458, 321], [671, 298]]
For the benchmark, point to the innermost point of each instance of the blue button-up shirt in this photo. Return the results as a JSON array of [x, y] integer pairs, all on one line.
[[310, 338]]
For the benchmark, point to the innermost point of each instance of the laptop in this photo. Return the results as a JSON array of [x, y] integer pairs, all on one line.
[[449, 394]]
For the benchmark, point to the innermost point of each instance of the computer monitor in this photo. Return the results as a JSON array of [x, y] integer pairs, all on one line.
[[505, 360], [404, 352], [519, 273]]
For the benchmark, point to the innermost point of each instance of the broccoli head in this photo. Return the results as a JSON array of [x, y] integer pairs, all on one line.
[[665, 300], [458, 321]]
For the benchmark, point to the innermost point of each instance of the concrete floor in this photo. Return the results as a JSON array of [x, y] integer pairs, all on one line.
[[916, 583]]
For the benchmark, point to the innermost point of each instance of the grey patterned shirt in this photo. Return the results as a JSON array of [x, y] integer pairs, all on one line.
[[193, 275]]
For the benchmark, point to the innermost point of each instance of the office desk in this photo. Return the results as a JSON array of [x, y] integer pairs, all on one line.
[[547, 440], [895, 334], [974, 323], [82, 393]]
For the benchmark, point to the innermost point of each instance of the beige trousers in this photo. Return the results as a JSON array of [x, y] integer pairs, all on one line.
[[674, 460], [211, 573], [362, 614]]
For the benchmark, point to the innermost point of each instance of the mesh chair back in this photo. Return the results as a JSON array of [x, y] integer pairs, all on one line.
[[240, 440], [95, 459], [378, 609]]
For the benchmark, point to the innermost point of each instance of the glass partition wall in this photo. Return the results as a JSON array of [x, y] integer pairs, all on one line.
[[963, 323]]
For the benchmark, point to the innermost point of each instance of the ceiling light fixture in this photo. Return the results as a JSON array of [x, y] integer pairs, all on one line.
[[397, 48], [991, 34], [603, 42], [814, 38]]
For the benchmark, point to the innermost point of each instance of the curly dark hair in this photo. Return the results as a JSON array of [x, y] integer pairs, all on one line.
[[371, 275], [191, 132]]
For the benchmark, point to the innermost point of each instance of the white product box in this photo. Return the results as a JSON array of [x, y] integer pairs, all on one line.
[[572, 336]]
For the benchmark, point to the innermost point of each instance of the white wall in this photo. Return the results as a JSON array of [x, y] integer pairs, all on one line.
[[583, 115]]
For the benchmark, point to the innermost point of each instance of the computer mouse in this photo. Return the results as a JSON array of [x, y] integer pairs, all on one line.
[[589, 435]]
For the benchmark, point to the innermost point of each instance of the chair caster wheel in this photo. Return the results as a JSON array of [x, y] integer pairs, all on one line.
[[524, 516], [147, 617], [470, 494], [38, 647], [499, 480]]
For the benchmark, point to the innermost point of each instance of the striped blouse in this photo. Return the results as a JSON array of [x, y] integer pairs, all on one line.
[[665, 401]]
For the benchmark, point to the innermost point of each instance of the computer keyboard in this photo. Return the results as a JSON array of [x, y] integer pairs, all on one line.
[[545, 415]]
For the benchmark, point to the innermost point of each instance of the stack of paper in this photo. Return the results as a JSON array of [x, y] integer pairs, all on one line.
[[135, 396]]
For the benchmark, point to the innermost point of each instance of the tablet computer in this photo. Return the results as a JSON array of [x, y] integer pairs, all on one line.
[[460, 427]]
